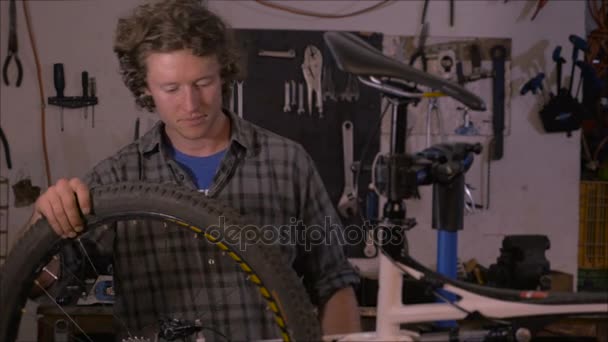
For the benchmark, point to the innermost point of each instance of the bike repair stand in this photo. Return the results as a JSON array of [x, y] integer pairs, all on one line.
[[448, 192], [448, 217]]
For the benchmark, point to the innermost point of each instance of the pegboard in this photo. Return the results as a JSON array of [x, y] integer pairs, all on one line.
[[263, 103], [451, 117], [443, 127]]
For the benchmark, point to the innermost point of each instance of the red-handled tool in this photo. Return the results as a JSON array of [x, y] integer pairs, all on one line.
[[539, 5]]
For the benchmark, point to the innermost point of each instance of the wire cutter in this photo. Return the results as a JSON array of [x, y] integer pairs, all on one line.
[[12, 47]]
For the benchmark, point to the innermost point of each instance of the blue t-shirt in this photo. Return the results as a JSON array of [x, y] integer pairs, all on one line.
[[201, 169]]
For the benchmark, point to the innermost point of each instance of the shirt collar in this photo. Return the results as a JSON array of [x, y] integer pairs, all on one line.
[[241, 132]]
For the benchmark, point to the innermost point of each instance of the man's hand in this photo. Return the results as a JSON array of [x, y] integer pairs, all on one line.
[[59, 204], [340, 315]]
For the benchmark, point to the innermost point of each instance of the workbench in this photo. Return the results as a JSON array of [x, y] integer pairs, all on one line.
[[95, 320]]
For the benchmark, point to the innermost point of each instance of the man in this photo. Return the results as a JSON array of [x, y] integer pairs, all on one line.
[[176, 58]]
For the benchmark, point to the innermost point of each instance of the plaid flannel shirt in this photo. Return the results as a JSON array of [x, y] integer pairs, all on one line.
[[270, 179]]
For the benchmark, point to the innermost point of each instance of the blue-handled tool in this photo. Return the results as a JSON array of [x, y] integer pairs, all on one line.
[[589, 75], [559, 60], [579, 44], [534, 84]]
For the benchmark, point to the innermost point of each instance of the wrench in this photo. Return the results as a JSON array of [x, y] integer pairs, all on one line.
[[287, 107], [351, 90], [434, 112], [347, 205], [240, 98], [232, 91], [294, 98], [301, 98], [291, 53], [329, 89]]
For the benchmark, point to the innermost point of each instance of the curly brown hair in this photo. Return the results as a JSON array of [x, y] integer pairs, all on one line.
[[166, 26]]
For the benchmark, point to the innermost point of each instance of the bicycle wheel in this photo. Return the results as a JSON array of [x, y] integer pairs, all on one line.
[[276, 283]]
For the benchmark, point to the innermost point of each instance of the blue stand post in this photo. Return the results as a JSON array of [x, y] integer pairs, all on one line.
[[447, 259]]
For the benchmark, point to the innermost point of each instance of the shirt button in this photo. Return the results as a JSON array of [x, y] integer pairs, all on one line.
[[181, 177]]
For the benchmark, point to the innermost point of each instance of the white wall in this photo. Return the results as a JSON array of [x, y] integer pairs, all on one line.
[[534, 187]]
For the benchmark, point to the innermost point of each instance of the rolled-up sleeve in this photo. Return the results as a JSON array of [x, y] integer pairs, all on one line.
[[321, 259]]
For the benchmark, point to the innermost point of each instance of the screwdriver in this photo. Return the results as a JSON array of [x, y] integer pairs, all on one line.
[[59, 82], [85, 90], [93, 88]]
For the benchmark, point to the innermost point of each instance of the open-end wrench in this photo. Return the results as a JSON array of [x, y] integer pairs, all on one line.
[[232, 93], [300, 98], [294, 94], [240, 98], [329, 89], [287, 106], [291, 53], [347, 205], [434, 112], [351, 90]]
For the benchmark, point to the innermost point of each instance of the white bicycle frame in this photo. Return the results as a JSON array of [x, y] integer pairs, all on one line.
[[390, 313]]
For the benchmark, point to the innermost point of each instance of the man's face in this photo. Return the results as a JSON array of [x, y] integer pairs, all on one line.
[[187, 92]]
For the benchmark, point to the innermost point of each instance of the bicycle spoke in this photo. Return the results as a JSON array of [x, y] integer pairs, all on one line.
[[82, 283], [87, 256], [54, 276], [62, 310]]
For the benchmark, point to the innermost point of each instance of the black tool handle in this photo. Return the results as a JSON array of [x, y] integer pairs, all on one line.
[[58, 79], [459, 73], [579, 44], [7, 150], [136, 135], [451, 13], [498, 54], [425, 7], [557, 58], [559, 76], [85, 84], [475, 57], [93, 86]]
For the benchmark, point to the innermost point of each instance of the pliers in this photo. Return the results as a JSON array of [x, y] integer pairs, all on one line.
[[12, 47], [312, 69]]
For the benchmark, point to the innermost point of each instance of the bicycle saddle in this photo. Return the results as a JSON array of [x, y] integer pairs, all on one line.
[[355, 56]]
